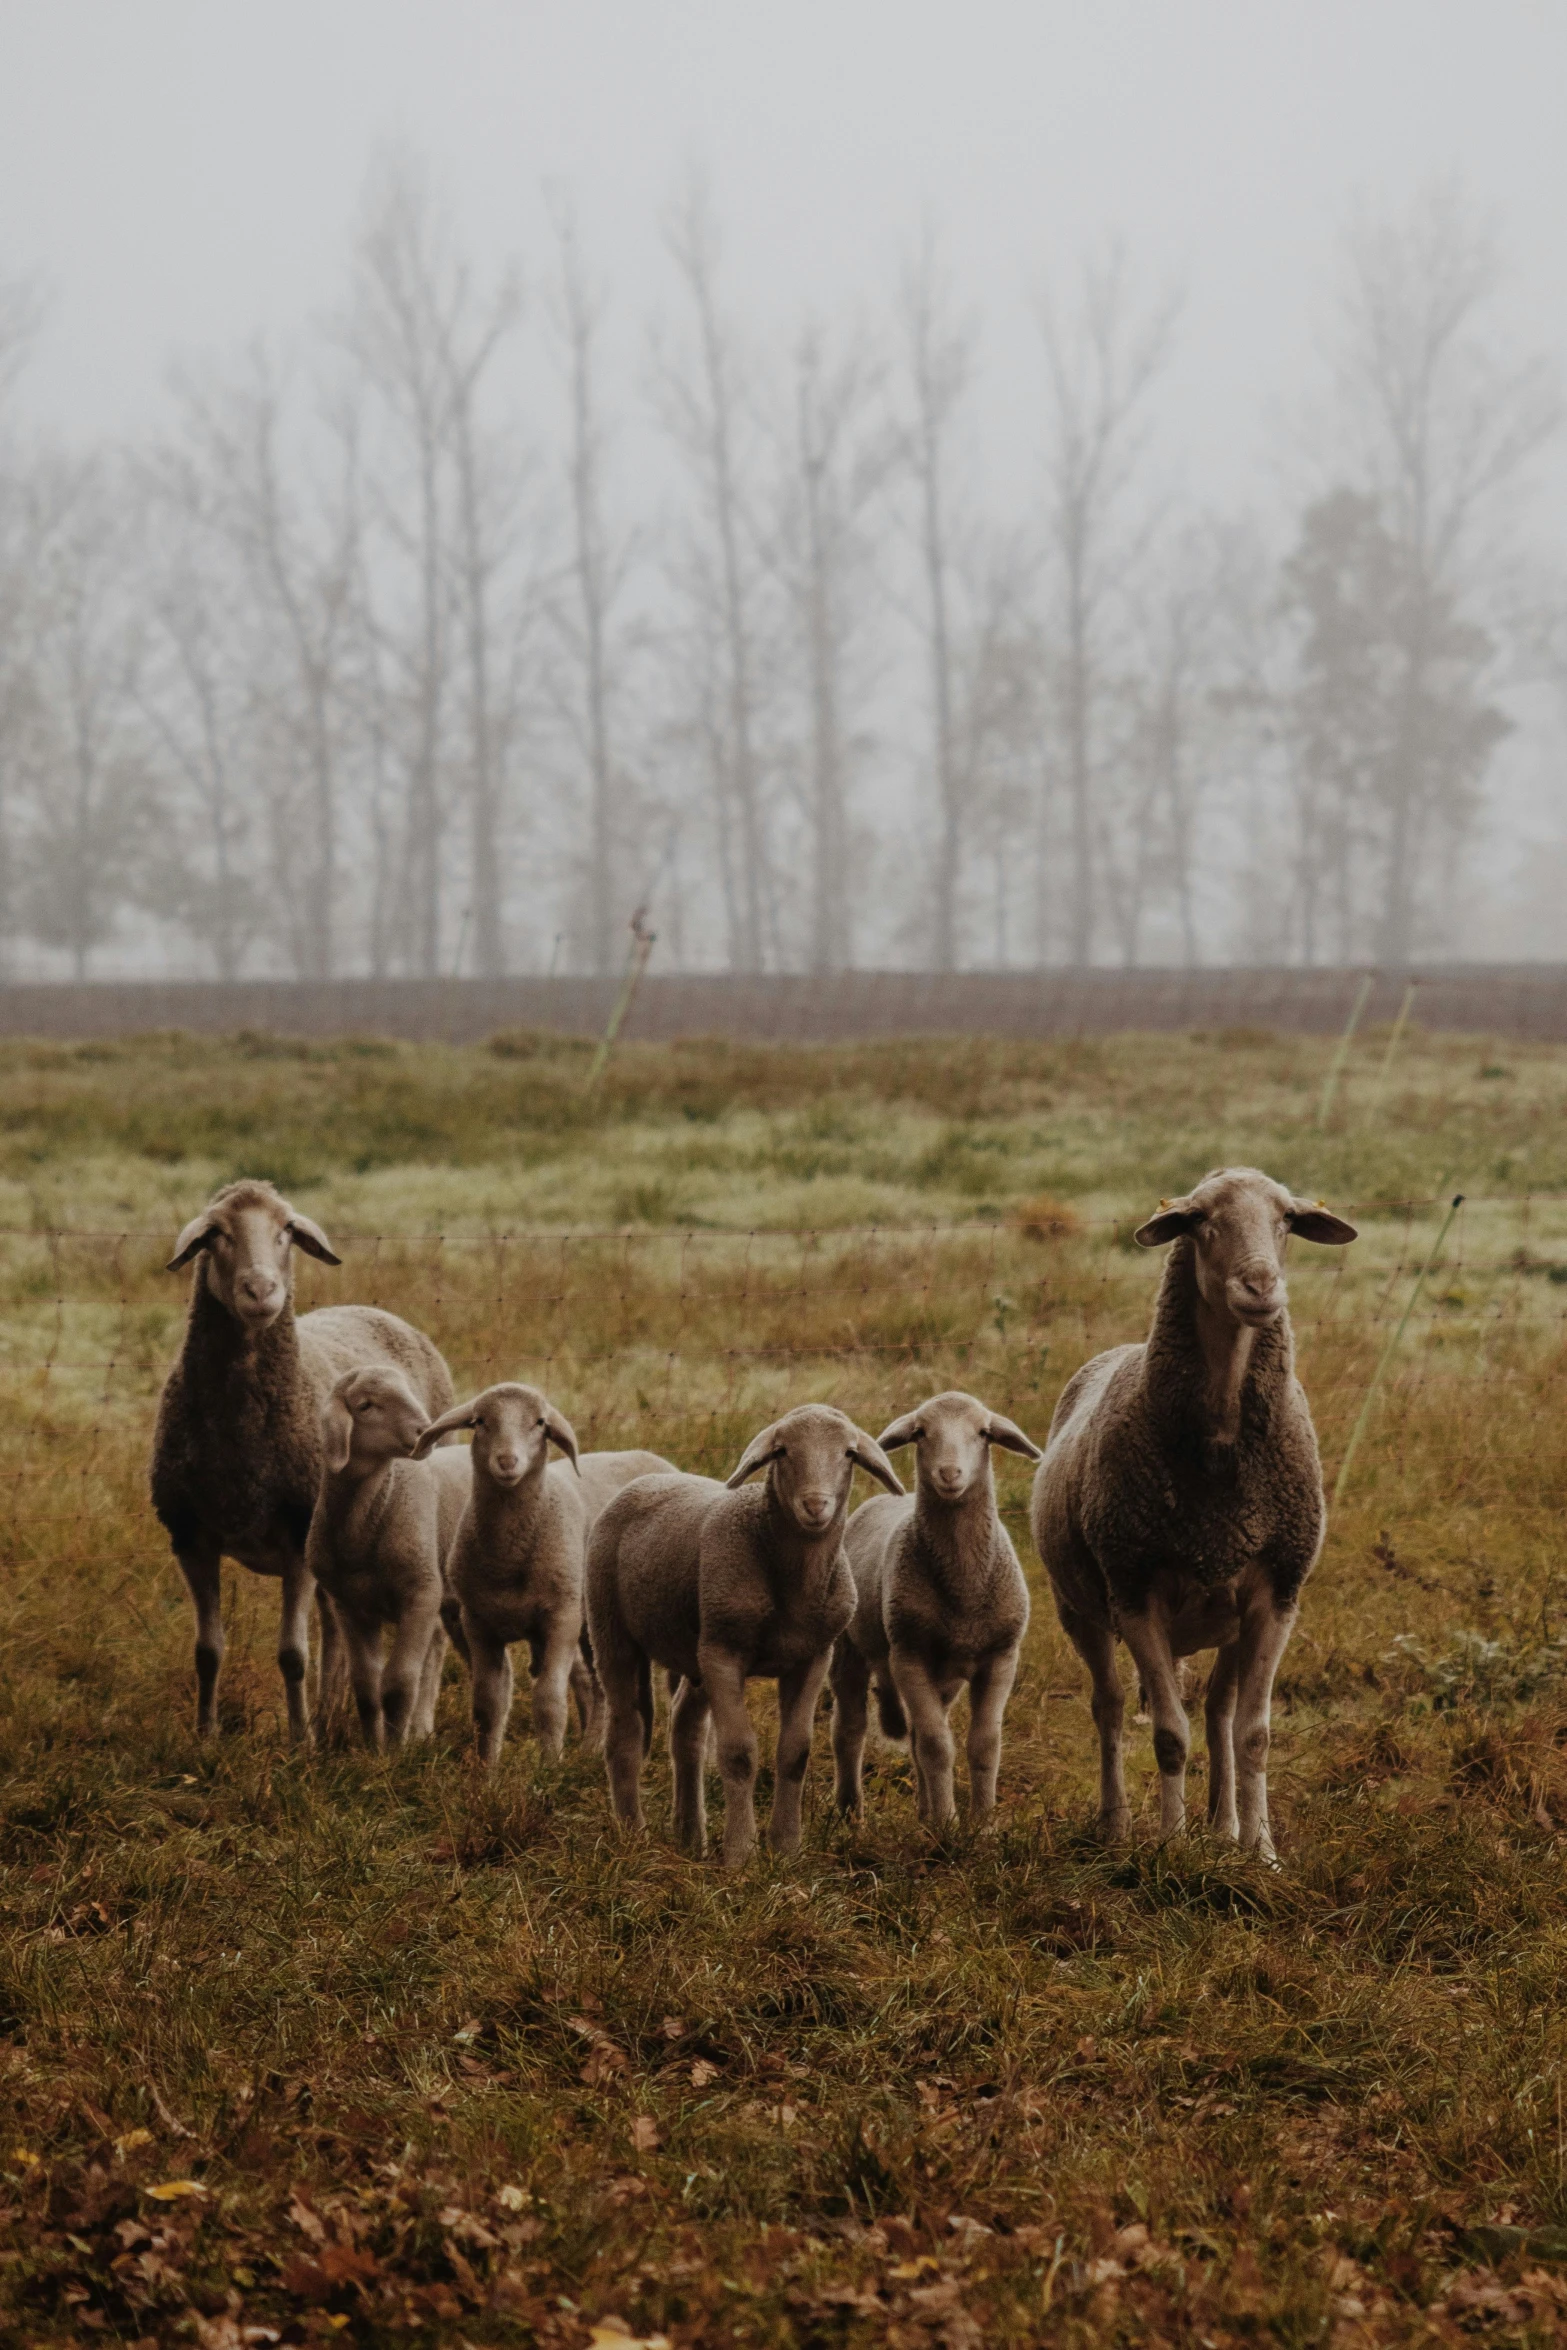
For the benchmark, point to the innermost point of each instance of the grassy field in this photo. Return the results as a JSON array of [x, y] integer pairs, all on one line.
[[320, 2048]]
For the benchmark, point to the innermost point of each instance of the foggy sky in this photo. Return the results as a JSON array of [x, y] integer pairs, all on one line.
[[182, 173]]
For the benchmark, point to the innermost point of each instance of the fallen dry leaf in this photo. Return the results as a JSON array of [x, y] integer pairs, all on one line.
[[702, 2072], [645, 2134], [175, 2190], [306, 2221], [130, 2141]]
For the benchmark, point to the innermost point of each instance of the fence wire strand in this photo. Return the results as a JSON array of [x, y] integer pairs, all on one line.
[[676, 1337]]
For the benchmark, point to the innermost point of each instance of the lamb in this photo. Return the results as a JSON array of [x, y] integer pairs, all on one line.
[[940, 1602], [236, 1451], [383, 1524], [1179, 1504], [515, 1563], [724, 1586]]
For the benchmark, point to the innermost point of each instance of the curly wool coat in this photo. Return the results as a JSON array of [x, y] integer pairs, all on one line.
[[1134, 1489]]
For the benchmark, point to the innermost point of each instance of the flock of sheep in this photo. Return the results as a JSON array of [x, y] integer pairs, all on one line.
[[1178, 1506]]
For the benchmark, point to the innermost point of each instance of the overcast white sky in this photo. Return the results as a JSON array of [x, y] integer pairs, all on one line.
[[182, 172]]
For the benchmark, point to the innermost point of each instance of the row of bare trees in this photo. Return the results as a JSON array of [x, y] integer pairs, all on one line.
[[423, 652]]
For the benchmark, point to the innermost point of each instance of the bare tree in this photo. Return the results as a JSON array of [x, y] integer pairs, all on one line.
[[704, 399], [1102, 359], [839, 455], [243, 464], [1432, 429], [21, 314], [195, 695], [584, 610], [87, 790], [446, 500], [941, 360]]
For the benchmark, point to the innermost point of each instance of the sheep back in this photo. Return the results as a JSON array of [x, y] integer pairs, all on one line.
[[644, 1580], [869, 1541]]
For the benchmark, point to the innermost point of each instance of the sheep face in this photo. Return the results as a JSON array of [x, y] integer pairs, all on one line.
[[954, 1433], [246, 1236], [1238, 1220], [810, 1456], [370, 1416], [513, 1428]]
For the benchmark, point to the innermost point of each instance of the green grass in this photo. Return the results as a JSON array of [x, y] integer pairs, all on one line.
[[449, 2061]]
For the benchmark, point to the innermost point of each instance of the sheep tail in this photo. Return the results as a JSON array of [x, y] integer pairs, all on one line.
[[889, 1711]]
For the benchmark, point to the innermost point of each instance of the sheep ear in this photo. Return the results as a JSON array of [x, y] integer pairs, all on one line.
[[307, 1234], [867, 1454], [1318, 1223], [337, 1432], [461, 1415], [904, 1431], [757, 1454], [1010, 1437], [1174, 1218], [560, 1431], [195, 1237]]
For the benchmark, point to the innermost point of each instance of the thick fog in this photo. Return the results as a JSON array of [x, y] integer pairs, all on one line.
[[888, 484]]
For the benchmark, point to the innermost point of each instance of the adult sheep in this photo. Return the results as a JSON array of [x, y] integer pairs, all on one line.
[[236, 1453], [1179, 1504]]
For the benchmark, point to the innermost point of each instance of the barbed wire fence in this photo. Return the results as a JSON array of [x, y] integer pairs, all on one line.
[[685, 1339]]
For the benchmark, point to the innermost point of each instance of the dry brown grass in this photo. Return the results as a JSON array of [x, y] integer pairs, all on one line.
[[448, 2061]]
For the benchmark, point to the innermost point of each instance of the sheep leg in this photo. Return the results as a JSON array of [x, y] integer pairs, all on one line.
[[430, 1673], [1264, 1637], [626, 1735], [1148, 1638], [490, 1662], [202, 1569], [552, 1660], [587, 1694], [293, 1645], [363, 1643], [851, 1680], [1219, 1714], [798, 1693], [723, 1677], [690, 1717], [1095, 1644], [402, 1676], [333, 1688], [925, 1703], [987, 1703], [451, 1618]]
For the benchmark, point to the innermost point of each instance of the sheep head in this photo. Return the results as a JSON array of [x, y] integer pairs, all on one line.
[[811, 1455], [954, 1433], [513, 1427], [371, 1415], [246, 1235], [1238, 1221]]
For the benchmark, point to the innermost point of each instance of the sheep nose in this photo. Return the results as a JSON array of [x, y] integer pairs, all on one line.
[[816, 1507], [948, 1478], [504, 1464]]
